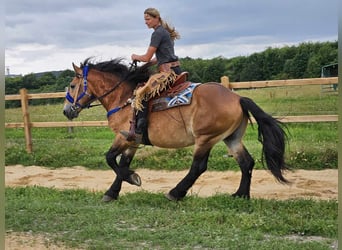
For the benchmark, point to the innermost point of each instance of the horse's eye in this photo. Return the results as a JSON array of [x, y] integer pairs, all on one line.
[[72, 86]]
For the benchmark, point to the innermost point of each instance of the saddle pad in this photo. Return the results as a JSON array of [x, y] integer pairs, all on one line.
[[174, 100]]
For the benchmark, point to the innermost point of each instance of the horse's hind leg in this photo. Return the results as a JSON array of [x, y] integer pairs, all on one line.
[[246, 163], [199, 165]]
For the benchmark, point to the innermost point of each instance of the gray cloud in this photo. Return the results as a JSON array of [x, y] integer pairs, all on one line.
[[69, 26]]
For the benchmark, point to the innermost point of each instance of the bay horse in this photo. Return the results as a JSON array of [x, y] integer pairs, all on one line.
[[215, 114]]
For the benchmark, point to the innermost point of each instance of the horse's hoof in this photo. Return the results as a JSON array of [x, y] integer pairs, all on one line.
[[243, 196], [135, 179], [107, 198], [171, 197]]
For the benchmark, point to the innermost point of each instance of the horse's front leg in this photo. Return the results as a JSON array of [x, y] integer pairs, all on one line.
[[123, 173]]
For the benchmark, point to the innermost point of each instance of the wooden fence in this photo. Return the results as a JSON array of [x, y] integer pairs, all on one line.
[[27, 124]]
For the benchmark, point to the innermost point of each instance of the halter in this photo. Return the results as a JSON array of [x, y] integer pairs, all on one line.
[[77, 105], [84, 93]]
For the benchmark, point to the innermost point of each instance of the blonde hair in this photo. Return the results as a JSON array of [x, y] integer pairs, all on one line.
[[155, 13]]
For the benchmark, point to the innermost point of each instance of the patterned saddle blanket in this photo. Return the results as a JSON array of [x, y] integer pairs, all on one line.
[[178, 96]]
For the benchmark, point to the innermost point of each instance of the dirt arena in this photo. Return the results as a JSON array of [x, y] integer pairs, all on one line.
[[322, 184]]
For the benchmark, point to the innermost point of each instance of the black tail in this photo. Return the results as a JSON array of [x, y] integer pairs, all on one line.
[[271, 135]]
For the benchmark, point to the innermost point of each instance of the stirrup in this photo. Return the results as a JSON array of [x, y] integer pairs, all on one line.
[[132, 137]]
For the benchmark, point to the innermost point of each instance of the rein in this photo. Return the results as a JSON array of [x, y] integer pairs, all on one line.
[[93, 98]]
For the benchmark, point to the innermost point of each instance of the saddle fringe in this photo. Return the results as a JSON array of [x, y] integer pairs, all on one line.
[[154, 86]]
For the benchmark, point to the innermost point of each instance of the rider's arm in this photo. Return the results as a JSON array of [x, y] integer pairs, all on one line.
[[146, 57]]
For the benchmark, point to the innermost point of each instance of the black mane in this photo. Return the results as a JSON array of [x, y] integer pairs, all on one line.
[[132, 75]]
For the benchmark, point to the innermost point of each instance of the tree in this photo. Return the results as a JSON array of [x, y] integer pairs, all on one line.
[[30, 81], [64, 79], [235, 67], [12, 85], [253, 69], [212, 71], [48, 79]]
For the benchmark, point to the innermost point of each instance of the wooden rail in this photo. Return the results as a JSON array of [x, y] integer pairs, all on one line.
[[58, 124], [280, 83], [286, 119], [27, 125], [35, 96]]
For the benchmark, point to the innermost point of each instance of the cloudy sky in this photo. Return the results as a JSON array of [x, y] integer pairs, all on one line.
[[44, 35]]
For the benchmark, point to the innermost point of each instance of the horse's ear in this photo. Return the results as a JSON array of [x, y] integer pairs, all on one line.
[[77, 69]]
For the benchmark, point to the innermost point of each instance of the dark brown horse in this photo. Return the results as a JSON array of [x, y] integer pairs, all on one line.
[[215, 114]]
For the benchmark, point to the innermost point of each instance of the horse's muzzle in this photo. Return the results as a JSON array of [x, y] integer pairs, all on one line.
[[71, 111]]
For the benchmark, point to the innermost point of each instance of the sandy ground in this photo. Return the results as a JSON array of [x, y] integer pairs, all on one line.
[[321, 184], [305, 184]]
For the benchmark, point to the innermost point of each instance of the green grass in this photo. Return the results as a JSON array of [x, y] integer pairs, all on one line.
[[148, 221], [294, 100], [310, 146]]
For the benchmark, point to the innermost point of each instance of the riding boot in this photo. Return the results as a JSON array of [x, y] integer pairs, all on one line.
[[140, 125], [142, 119]]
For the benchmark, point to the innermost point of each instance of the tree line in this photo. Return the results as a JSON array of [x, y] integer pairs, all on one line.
[[289, 62], [47, 82]]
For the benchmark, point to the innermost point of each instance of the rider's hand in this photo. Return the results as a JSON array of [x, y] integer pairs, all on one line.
[[134, 57]]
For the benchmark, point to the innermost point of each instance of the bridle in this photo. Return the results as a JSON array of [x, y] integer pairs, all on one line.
[[76, 105], [75, 102]]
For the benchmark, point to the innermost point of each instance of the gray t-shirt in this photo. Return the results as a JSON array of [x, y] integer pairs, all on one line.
[[161, 40]]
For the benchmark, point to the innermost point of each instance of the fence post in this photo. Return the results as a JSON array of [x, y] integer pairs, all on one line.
[[26, 117], [225, 81]]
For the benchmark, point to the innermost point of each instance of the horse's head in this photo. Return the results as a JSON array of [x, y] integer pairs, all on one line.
[[105, 79], [78, 95]]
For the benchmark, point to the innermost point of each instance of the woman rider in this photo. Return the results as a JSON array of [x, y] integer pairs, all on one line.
[[162, 46]]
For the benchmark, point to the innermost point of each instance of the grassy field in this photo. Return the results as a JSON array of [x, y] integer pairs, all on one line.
[[148, 221], [310, 146]]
